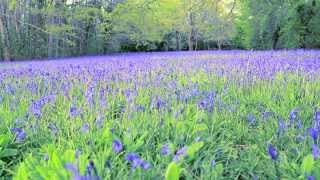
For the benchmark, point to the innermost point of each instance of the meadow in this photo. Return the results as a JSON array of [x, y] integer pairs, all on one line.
[[174, 115]]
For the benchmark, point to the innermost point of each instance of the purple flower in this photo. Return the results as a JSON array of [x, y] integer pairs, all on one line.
[[311, 178], [89, 172], [315, 151], [99, 123], [299, 124], [160, 103], [140, 162], [281, 126], [272, 152], [90, 169], [86, 178], [131, 156], [73, 111], [20, 134], [71, 167], [202, 104], [165, 150], [85, 128], [53, 128], [145, 165], [251, 118], [37, 105], [179, 154], [137, 161], [317, 120], [117, 146], [267, 114], [181, 151], [293, 115], [317, 116], [314, 133]]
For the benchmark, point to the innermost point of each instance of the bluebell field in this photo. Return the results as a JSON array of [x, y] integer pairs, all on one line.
[[176, 115]]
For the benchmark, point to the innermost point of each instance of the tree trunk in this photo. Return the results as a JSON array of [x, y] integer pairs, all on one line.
[[219, 44], [178, 48], [192, 32], [51, 22], [196, 42], [190, 42], [275, 38], [4, 34]]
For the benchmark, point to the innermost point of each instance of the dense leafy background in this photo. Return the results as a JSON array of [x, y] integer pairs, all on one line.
[[58, 28]]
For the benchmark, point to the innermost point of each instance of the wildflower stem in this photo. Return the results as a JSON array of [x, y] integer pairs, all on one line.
[[277, 170]]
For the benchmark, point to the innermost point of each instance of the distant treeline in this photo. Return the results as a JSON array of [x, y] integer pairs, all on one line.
[[58, 28]]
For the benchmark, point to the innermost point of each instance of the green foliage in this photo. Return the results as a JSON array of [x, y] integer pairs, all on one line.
[[307, 164], [194, 148], [173, 171], [278, 24], [51, 168]]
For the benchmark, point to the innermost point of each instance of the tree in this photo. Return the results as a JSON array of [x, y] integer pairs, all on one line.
[[4, 32]]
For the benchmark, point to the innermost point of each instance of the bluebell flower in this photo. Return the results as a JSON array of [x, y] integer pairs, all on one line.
[[314, 133], [85, 128], [317, 120], [36, 106], [317, 116], [91, 169], [131, 156], [281, 126], [99, 122], [179, 154], [140, 108], [202, 104], [89, 174], [272, 152], [117, 146], [251, 118], [73, 111], [145, 165], [160, 103], [165, 149], [300, 138], [299, 124], [137, 161], [311, 178], [20, 134], [71, 167], [293, 115], [53, 128], [315, 151], [181, 151], [267, 114]]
